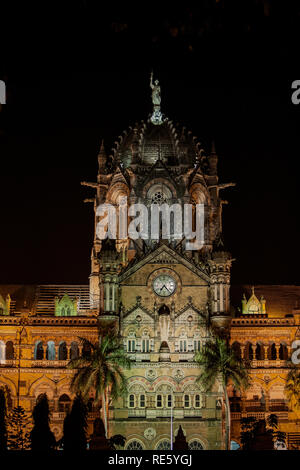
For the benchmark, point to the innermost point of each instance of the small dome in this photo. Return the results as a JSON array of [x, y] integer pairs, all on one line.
[[164, 310]]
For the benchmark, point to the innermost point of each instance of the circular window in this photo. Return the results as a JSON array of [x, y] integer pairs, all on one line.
[[158, 198], [195, 445], [165, 444], [134, 445]]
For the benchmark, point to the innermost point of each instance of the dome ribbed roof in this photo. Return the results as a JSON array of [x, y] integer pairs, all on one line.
[[145, 143]]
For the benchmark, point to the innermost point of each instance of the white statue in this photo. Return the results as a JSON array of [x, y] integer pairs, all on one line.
[[156, 99]]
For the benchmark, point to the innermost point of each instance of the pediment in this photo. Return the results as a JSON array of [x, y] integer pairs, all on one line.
[[164, 255], [131, 316]]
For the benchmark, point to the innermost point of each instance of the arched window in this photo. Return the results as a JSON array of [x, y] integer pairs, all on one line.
[[283, 352], [249, 352], [159, 401], [186, 401], [197, 401], [259, 352], [131, 401], [86, 350], [62, 351], [64, 403], [142, 401], [2, 352], [131, 345], [50, 352], [9, 350], [74, 352], [169, 401], [145, 343], [272, 352], [237, 349], [164, 444], [38, 351], [183, 345], [195, 445], [134, 445]]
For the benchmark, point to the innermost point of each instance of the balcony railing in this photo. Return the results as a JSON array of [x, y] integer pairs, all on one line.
[[152, 413], [269, 363], [46, 363], [8, 363]]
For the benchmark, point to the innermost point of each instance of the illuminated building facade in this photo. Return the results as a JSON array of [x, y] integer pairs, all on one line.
[[166, 300]]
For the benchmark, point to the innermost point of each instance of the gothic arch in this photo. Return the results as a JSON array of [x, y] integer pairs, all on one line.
[[10, 384], [159, 182], [33, 390], [201, 439], [134, 438], [165, 381]]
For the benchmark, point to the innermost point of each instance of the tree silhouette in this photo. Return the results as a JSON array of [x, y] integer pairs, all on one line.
[[3, 416], [42, 438], [75, 426], [18, 429], [219, 361], [260, 434], [100, 368]]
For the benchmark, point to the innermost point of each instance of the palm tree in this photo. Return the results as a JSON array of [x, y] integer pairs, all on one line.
[[292, 388], [100, 369], [220, 362]]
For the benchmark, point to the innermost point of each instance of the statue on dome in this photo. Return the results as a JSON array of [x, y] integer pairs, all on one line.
[[156, 117], [156, 99]]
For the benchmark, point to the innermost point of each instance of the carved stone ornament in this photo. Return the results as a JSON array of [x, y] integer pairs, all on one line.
[[150, 374], [150, 434]]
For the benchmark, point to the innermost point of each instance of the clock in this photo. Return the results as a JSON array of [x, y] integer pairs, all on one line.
[[164, 285]]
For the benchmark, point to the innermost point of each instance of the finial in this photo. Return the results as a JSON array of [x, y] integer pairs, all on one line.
[[102, 156], [252, 288]]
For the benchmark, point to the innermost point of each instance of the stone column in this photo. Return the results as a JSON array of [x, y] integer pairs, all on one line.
[[277, 346], [243, 348], [107, 294], [68, 352], [56, 352], [44, 351]]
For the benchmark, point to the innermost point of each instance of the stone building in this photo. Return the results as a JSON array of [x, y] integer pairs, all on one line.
[[263, 333], [166, 299]]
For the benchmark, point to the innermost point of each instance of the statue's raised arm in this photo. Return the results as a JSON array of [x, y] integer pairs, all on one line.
[[151, 81]]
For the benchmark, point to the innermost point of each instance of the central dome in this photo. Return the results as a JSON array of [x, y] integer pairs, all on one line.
[[145, 143]]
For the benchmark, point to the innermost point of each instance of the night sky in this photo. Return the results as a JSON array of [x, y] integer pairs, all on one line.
[[76, 74]]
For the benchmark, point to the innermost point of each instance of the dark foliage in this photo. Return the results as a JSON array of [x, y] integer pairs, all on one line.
[[257, 432], [75, 426], [3, 417], [42, 438], [18, 429], [117, 441]]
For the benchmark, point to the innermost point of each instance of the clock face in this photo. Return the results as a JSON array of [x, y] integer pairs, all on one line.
[[164, 285]]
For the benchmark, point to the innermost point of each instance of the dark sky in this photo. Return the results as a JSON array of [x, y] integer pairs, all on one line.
[[76, 74]]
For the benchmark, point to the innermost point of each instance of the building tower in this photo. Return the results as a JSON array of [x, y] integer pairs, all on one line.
[[167, 298]]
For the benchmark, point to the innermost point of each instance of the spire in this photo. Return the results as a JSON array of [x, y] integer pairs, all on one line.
[[213, 160], [102, 156]]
